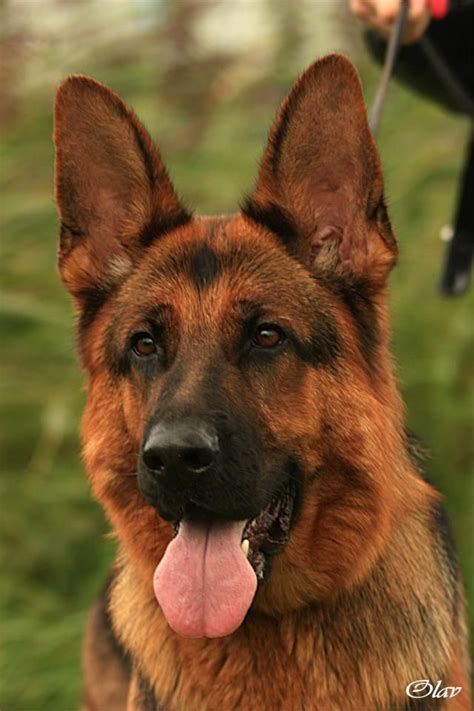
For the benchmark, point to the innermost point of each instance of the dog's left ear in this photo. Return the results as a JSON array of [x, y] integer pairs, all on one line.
[[320, 186]]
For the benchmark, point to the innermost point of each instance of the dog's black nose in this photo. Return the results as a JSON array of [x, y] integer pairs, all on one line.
[[181, 448]]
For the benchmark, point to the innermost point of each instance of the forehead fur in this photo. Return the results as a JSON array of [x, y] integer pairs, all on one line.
[[221, 254]]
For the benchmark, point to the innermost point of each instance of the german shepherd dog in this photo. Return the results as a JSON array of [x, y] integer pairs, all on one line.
[[279, 547]]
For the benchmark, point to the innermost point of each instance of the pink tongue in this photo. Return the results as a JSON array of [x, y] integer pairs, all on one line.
[[204, 583]]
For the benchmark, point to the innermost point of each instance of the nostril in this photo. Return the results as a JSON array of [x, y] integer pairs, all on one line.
[[198, 459], [153, 460]]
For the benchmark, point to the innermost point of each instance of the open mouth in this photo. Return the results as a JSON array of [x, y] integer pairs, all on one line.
[[207, 579]]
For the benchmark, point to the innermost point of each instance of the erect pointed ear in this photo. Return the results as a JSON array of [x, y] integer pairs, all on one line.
[[320, 184], [112, 189]]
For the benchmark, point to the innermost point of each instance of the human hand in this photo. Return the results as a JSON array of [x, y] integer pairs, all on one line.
[[380, 16]]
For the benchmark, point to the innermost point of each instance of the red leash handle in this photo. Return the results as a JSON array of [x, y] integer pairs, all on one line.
[[439, 8]]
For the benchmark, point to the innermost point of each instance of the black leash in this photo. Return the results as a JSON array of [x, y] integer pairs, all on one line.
[[459, 254], [393, 47]]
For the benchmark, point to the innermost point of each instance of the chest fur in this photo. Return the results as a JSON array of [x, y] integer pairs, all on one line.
[[357, 653]]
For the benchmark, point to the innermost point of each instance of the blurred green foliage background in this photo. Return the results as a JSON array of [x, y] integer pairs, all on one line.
[[206, 78]]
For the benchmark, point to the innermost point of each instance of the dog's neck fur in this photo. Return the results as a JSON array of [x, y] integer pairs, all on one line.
[[329, 650]]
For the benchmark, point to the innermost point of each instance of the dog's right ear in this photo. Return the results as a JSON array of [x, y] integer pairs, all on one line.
[[112, 189]]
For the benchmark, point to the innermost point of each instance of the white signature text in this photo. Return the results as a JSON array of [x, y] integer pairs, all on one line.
[[421, 688]]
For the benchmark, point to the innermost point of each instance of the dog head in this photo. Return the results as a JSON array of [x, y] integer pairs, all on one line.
[[239, 382]]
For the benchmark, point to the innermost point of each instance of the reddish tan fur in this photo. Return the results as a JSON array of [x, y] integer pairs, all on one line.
[[338, 625], [107, 675]]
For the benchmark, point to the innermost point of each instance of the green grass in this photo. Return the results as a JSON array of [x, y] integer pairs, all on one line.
[[54, 551]]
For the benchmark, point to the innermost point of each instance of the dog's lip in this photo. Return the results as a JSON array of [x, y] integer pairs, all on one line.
[[267, 533]]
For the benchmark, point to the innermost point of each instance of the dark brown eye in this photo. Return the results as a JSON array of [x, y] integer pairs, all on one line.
[[143, 345], [268, 336]]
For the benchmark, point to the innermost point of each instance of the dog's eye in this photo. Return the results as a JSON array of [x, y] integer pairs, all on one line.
[[268, 335], [143, 345]]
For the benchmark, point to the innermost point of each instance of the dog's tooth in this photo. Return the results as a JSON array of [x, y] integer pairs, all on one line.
[[245, 545]]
